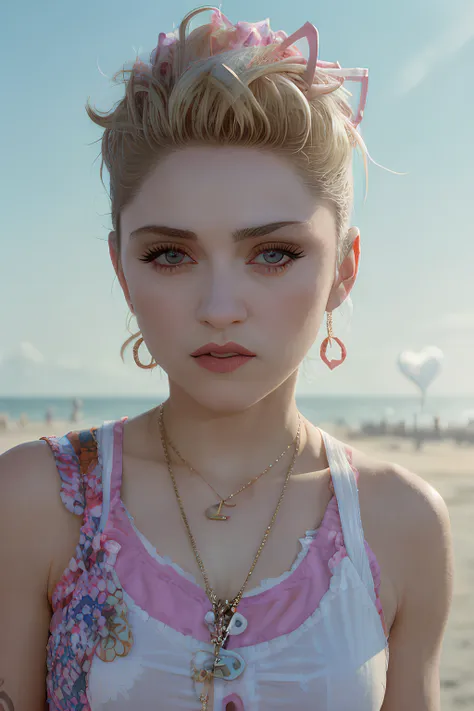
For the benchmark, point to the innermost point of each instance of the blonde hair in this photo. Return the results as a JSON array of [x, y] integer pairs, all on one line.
[[240, 96]]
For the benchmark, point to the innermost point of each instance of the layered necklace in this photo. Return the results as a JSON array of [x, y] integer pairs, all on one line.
[[223, 620]]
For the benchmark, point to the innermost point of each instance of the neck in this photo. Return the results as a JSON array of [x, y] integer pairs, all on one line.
[[229, 444]]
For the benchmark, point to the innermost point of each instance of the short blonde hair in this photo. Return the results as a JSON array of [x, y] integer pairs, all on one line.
[[257, 101]]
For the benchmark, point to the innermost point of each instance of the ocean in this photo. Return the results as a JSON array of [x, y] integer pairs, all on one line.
[[351, 410]]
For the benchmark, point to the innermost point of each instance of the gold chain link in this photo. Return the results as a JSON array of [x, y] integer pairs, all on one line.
[[329, 325], [209, 590], [249, 483]]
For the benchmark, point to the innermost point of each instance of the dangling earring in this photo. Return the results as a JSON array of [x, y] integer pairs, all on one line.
[[327, 341], [137, 359]]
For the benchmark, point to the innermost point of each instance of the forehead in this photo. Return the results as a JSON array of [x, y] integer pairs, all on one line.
[[201, 187]]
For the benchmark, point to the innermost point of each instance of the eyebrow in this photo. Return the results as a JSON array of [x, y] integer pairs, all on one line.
[[237, 236]]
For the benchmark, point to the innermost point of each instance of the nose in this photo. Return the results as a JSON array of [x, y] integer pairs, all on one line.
[[221, 300]]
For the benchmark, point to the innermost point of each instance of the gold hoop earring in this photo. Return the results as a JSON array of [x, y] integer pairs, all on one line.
[[137, 359]]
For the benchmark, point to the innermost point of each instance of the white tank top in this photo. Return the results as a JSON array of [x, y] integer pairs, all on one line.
[[335, 659]]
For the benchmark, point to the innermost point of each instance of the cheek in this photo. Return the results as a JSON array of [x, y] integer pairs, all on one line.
[[149, 292], [155, 310], [162, 325], [161, 315], [297, 310]]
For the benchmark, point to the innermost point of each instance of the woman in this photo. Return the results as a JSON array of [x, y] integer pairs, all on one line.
[[213, 552]]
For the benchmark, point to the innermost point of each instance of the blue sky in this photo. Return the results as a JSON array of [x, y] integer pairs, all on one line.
[[63, 312]]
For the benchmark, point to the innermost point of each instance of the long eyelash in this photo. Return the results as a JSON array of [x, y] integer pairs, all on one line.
[[155, 252], [292, 251]]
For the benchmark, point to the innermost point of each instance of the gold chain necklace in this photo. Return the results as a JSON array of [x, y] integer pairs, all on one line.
[[214, 512], [224, 610]]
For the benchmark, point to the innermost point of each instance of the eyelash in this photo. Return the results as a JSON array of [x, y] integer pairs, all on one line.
[[291, 251]]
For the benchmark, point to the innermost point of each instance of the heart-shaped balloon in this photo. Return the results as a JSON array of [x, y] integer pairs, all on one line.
[[423, 367]]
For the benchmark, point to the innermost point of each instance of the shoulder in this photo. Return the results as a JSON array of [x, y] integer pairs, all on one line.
[[31, 508], [403, 499], [410, 520], [28, 475], [407, 523]]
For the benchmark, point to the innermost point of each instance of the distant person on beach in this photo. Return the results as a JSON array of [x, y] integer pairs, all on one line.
[[23, 419], [220, 552], [4, 421], [76, 410], [48, 416]]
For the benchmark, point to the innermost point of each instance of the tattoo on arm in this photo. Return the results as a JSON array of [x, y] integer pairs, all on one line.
[[6, 704]]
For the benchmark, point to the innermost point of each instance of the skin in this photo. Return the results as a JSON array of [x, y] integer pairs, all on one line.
[[230, 426], [223, 298], [5, 701]]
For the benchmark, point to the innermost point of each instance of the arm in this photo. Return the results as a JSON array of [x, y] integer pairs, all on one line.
[[426, 572], [30, 521]]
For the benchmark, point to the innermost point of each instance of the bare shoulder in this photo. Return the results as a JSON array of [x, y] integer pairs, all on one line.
[[38, 530], [404, 517], [28, 473], [401, 497], [32, 508], [28, 479]]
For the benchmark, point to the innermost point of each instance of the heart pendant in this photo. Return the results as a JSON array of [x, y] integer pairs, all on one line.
[[324, 346]]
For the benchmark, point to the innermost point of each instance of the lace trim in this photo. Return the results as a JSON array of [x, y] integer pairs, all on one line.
[[343, 576], [265, 584], [89, 605]]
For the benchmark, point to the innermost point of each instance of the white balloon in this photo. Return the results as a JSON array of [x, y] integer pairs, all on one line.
[[423, 367]]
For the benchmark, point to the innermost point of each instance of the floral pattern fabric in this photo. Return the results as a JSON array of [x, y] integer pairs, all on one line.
[[89, 613]]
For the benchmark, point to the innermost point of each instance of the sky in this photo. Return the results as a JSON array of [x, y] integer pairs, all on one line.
[[63, 313]]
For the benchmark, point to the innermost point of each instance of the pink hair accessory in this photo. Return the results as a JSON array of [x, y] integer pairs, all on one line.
[[225, 36]]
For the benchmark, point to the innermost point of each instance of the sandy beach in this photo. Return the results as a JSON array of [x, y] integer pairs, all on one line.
[[450, 469]]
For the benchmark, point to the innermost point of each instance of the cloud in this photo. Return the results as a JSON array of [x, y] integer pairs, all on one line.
[[462, 321], [24, 370], [454, 37], [69, 363], [25, 353]]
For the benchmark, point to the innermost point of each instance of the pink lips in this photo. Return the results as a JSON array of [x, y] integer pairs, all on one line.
[[230, 347], [222, 365]]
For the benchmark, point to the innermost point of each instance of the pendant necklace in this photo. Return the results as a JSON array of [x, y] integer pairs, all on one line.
[[223, 620], [214, 512]]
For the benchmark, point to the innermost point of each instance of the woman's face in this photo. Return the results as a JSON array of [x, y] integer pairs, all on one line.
[[215, 287]]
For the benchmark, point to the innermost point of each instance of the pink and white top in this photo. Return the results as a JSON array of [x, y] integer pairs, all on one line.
[[129, 624]]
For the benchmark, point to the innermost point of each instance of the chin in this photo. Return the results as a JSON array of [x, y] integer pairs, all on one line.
[[224, 398], [229, 394]]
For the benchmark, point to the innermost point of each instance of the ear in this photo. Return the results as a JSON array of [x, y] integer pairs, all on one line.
[[348, 272], [113, 250], [114, 255]]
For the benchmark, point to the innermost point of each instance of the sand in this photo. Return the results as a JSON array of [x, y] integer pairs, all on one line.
[[447, 467]]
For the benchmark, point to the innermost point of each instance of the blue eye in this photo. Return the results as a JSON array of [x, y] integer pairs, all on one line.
[[293, 252]]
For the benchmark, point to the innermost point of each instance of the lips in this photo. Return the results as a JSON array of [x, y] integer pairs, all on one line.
[[222, 364], [215, 350]]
